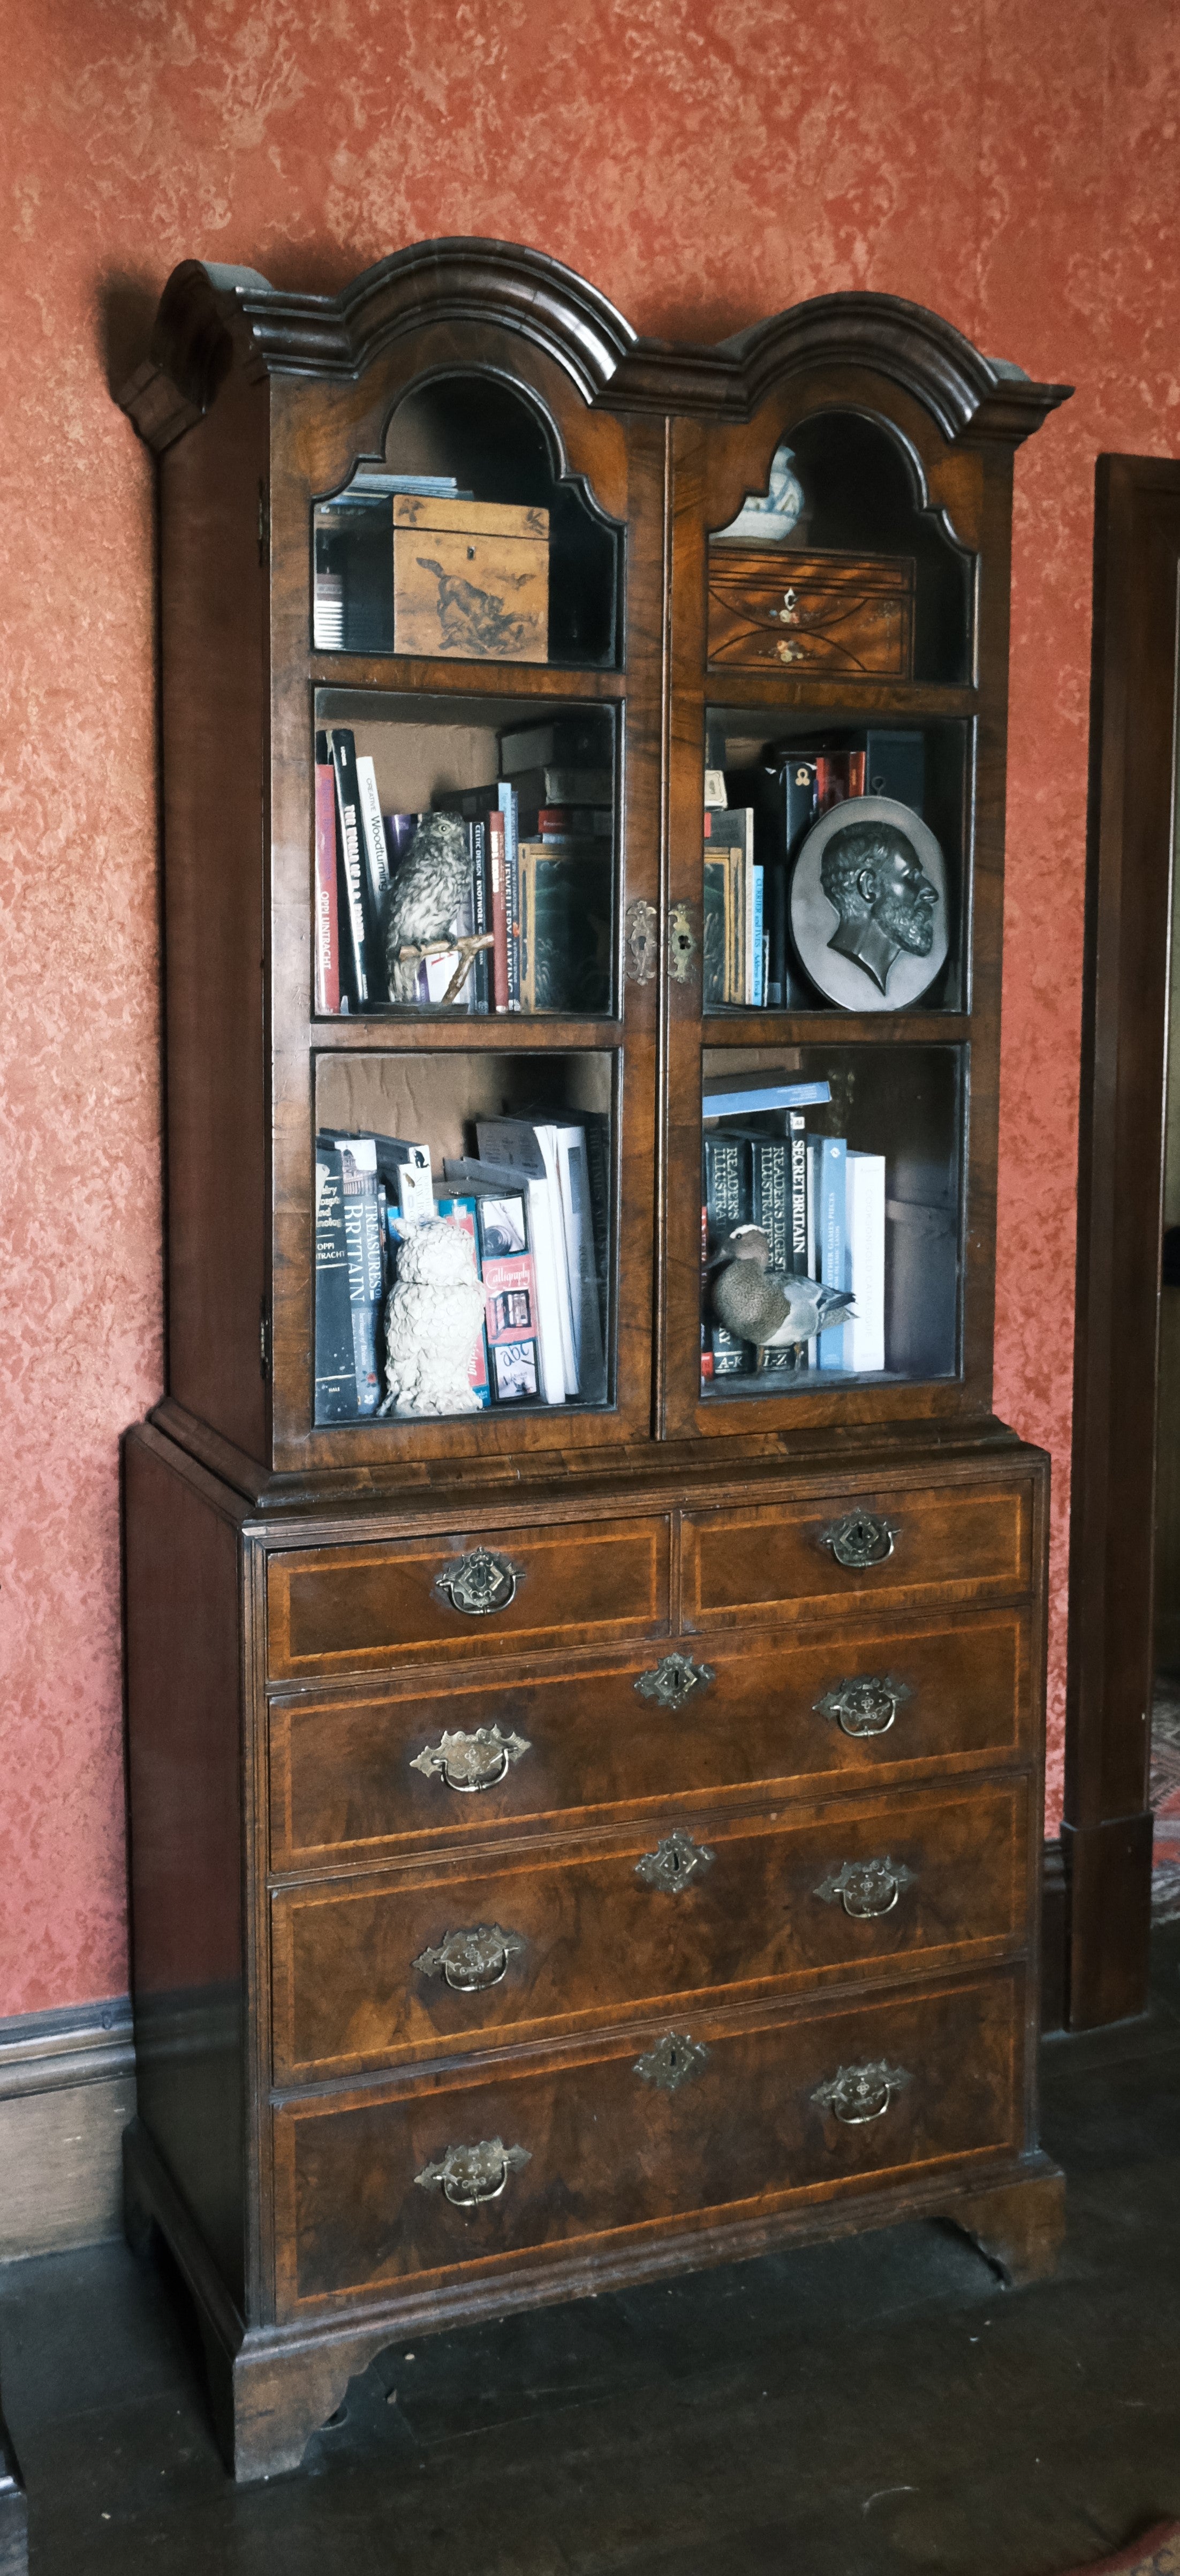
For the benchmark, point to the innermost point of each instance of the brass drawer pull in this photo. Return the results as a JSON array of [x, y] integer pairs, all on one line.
[[479, 1583], [469, 1961], [866, 1887], [674, 1863], [860, 2093], [866, 1706], [859, 1539], [674, 1679], [469, 2175], [471, 1762], [673, 2061]]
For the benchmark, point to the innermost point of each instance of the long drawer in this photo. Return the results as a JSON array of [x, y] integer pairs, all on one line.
[[458, 1597], [432, 1957], [917, 1549], [658, 2128], [360, 1777]]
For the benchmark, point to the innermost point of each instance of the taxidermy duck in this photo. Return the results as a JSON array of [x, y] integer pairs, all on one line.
[[771, 1307], [425, 897]]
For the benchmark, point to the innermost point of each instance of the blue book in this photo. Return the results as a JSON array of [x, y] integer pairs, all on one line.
[[759, 993], [756, 1096], [833, 1241]]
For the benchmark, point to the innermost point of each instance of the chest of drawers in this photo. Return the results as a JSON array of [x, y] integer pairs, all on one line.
[[558, 1897]]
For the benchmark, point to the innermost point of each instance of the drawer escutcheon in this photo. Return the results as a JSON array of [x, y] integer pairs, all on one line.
[[472, 1960], [468, 2175], [674, 1679], [479, 1583], [675, 1862], [860, 2093], [673, 2061]]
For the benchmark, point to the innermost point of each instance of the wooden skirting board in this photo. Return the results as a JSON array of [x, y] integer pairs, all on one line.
[[67, 2091]]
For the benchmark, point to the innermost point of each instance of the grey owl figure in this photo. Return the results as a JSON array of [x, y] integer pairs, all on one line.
[[771, 1307], [424, 897]]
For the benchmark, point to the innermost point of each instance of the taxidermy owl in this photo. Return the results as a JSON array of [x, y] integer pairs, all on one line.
[[433, 1320], [771, 1307], [425, 897]]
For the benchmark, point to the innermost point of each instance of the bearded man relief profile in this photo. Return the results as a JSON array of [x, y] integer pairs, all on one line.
[[873, 878]]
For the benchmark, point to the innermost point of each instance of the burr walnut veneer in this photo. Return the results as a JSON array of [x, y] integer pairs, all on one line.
[[569, 1843]]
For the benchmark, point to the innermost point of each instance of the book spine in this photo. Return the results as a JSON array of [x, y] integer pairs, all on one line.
[[510, 809], [797, 1139], [376, 859], [495, 829], [866, 1261], [596, 1129], [815, 1160], [327, 913], [770, 1207], [833, 1241], [335, 1365], [706, 1336], [514, 1349], [480, 980], [351, 867], [362, 1244], [727, 1203], [758, 994], [526, 877]]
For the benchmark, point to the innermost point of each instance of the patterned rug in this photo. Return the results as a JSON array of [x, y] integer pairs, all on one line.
[[1165, 1799], [1157, 2554]]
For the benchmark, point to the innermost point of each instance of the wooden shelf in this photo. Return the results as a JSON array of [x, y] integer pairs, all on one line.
[[835, 1028], [853, 699], [490, 1032], [405, 675]]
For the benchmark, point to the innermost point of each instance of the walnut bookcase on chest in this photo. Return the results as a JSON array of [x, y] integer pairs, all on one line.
[[598, 1832]]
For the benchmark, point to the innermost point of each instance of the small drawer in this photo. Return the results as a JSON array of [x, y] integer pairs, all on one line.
[[822, 612], [459, 1598], [669, 2125], [353, 1779], [437, 1959], [968, 1543]]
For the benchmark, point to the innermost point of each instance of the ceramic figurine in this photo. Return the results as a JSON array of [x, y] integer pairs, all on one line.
[[767, 518], [771, 1307], [425, 897], [433, 1320]]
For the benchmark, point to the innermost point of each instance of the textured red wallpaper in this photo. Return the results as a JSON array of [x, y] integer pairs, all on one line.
[[704, 162]]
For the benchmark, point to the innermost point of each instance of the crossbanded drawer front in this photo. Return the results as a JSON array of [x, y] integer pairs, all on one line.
[[457, 1598], [723, 2118], [859, 1704], [969, 1543], [368, 1974]]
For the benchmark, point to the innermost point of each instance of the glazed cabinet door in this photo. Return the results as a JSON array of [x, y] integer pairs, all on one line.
[[467, 589], [839, 624]]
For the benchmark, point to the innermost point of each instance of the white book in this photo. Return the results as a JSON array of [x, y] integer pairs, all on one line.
[[373, 835], [864, 1333], [513, 1144], [574, 1176], [547, 1140]]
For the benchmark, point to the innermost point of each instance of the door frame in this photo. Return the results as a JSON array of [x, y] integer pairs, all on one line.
[[1107, 1827]]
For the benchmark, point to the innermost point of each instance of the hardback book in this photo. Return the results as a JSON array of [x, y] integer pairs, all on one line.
[[493, 806], [565, 923], [706, 1335], [833, 1241], [800, 1238], [771, 1208], [723, 1097], [560, 824], [595, 1126], [552, 783], [479, 982], [781, 790], [757, 985], [335, 1361], [567, 1293], [404, 1167], [838, 774], [494, 826], [566, 742], [508, 1271], [365, 1258], [376, 873], [352, 896], [732, 827], [327, 906], [461, 1212], [512, 1144], [507, 800], [727, 1203], [713, 977], [864, 1334], [573, 1169], [895, 765]]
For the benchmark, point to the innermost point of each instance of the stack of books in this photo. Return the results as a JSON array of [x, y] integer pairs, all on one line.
[[540, 879], [534, 1200], [822, 1207]]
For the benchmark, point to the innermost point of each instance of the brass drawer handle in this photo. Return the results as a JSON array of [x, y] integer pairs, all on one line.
[[675, 1862], [859, 1538], [866, 1887], [860, 2093], [673, 2061], [674, 1679], [469, 2175], [479, 1583], [471, 1762], [469, 1961], [865, 1706]]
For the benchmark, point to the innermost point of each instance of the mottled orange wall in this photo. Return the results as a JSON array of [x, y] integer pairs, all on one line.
[[704, 162]]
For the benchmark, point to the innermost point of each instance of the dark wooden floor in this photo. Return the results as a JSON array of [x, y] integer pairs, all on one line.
[[850, 2410]]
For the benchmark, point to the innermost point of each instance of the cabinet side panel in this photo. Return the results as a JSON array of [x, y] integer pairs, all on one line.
[[213, 589], [184, 1767]]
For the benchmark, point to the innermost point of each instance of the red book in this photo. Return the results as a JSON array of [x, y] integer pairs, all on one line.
[[498, 874], [327, 918], [838, 774]]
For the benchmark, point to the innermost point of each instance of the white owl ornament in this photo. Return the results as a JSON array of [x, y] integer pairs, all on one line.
[[433, 1318]]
